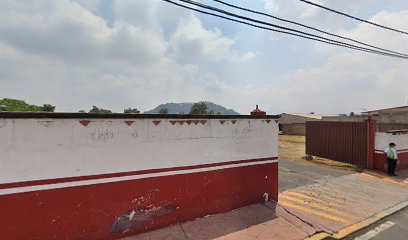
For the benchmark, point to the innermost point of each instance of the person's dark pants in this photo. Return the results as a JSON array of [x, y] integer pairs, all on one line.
[[392, 164]]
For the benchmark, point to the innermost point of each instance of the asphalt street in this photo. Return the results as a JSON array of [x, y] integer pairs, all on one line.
[[294, 174], [394, 227]]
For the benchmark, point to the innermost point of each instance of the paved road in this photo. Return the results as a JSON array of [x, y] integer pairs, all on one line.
[[294, 174], [394, 227]]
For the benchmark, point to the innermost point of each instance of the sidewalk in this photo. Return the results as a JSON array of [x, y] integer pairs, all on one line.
[[335, 207]]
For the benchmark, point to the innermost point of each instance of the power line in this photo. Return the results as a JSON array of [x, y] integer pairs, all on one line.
[[397, 54], [355, 18], [306, 26], [280, 29]]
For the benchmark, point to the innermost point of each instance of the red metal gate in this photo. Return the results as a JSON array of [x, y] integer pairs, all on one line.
[[346, 142]]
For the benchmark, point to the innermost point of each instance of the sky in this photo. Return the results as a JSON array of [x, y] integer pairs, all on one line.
[[117, 54]]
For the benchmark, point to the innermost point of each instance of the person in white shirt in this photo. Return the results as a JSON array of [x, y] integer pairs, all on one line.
[[392, 158]]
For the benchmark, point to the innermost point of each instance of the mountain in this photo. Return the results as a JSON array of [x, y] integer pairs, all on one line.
[[185, 108]]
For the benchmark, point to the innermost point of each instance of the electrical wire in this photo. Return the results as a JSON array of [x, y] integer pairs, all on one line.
[[306, 26], [355, 18], [284, 30]]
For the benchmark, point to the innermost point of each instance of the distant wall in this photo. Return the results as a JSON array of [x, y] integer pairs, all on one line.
[[383, 127], [385, 121], [382, 141], [106, 178], [290, 119], [294, 129], [293, 124], [344, 118], [403, 109]]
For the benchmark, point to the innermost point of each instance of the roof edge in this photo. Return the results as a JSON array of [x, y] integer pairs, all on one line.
[[61, 115]]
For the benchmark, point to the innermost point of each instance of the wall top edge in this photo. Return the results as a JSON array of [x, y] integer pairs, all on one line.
[[61, 115]]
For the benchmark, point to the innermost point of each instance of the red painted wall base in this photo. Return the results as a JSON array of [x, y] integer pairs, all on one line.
[[380, 161], [119, 209]]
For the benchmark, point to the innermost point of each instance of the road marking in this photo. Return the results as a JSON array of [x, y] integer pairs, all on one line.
[[314, 199], [314, 212], [319, 206], [321, 193], [375, 231], [346, 201]]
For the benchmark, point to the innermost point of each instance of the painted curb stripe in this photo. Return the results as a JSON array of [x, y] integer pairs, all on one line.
[[127, 178]]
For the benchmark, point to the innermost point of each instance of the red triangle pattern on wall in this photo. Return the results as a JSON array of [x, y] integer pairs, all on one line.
[[84, 122], [129, 123], [156, 122]]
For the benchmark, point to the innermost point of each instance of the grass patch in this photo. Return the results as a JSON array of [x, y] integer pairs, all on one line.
[[294, 148]]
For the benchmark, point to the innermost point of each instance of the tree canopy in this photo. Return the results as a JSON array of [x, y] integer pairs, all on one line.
[[95, 109], [131, 110], [16, 105], [164, 111], [201, 108]]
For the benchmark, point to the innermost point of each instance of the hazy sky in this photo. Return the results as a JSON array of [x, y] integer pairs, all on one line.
[[140, 53]]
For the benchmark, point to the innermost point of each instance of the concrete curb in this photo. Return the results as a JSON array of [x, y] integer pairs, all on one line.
[[360, 225], [318, 236]]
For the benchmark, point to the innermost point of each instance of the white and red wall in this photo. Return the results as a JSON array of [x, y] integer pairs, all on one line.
[[77, 176], [382, 140]]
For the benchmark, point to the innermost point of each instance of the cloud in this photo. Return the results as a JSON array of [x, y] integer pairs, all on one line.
[[311, 15], [92, 5], [152, 14], [191, 42], [64, 53], [348, 80]]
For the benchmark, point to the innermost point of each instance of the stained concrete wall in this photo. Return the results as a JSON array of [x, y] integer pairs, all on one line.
[[106, 178], [294, 129], [106, 146], [293, 124]]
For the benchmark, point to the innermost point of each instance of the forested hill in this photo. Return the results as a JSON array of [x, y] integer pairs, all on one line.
[[185, 108]]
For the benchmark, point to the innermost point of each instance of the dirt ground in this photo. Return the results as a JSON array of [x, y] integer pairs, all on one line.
[[293, 148]]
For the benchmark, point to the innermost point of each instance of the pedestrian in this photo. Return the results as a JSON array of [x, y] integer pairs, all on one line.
[[392, 158]]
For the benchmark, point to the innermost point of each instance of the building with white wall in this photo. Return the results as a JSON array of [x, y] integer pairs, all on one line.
[[106, 176]]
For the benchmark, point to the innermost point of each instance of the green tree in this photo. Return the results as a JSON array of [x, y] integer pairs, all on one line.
[[95, 109], [131, 110], [48, 108], [164, 111], [200, 108], [16, 105]]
